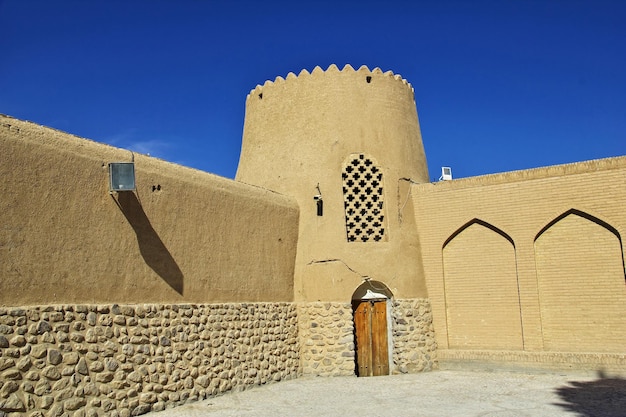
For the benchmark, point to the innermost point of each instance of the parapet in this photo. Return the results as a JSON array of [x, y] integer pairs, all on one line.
[[315, 120], [332, 70]]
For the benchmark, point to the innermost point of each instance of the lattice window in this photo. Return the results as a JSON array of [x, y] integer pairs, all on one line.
[[363, 200]]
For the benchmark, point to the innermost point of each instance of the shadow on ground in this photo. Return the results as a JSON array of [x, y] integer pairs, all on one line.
[[603, 397]]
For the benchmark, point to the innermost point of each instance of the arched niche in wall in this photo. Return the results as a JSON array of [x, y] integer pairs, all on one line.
[[481, 289], [581, 284]]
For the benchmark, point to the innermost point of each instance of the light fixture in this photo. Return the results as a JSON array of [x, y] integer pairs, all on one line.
[[319, 201], [122, 176]]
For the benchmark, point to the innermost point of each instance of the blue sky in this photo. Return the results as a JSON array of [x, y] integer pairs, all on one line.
[[499, 85]]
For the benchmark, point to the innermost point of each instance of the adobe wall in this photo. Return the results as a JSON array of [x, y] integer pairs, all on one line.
[[124, 303], [184, 236], [301, 136], [352, 139], [528, 266]]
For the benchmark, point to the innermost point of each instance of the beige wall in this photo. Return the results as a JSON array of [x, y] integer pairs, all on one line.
[[299, 133], [524, 263], [580, 279], [530, 260], [482, 312], [200, 238]]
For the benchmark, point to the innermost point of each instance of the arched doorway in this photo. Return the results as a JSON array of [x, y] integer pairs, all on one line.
[[370, 305]]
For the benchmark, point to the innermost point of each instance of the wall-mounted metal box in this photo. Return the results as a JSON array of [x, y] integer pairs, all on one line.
[[122, 176]]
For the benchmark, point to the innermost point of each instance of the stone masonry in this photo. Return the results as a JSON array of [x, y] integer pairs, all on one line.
[[123, 360], [326, 332], [414, 345]]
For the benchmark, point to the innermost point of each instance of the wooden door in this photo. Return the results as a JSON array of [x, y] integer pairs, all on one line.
[[370, 324]]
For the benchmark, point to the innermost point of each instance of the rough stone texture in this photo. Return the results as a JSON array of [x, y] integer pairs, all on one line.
[[414, 346], [77, 360], [326, 332]]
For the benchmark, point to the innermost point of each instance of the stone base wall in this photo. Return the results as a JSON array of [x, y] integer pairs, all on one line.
[[114, 360], [326, 332], [414, 346]]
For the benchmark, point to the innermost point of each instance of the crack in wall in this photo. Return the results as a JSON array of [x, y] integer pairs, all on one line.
[[406, 200], [314, 261]]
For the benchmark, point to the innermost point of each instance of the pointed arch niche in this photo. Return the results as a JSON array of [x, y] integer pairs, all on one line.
[[481, 289], [581, 283]]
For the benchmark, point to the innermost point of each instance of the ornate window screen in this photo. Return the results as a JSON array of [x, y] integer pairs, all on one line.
[[363, 199]]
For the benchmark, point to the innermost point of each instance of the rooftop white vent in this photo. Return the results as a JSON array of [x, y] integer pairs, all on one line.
[[446, 174]]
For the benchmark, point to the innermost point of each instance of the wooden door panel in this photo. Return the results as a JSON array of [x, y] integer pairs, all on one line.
[[370, 324], [363, 339], [380, 356]]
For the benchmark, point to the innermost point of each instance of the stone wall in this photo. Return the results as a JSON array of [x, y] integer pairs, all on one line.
[[414, 346], [122, 360], [326, 332]]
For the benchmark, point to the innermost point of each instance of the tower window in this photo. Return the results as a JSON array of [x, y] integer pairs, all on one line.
[[363, 199]]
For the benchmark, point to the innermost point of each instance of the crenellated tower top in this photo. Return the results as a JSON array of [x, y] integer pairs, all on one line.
[[332, 70], [346, 144]]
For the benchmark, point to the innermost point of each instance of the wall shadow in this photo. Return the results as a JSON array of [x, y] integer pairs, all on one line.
[[152, 249], [604, 397]]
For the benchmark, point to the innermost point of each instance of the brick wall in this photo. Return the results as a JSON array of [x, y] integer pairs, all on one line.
[[528, 261], [484, 311], [579, 259]]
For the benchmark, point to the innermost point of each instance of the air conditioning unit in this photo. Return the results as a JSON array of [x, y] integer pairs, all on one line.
[[446, 174]]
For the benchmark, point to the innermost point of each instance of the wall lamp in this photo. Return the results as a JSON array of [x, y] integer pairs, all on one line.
[[122, 176], [319, 201]]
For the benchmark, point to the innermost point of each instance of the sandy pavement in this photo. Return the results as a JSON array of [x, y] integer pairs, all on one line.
[[436, 394]]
